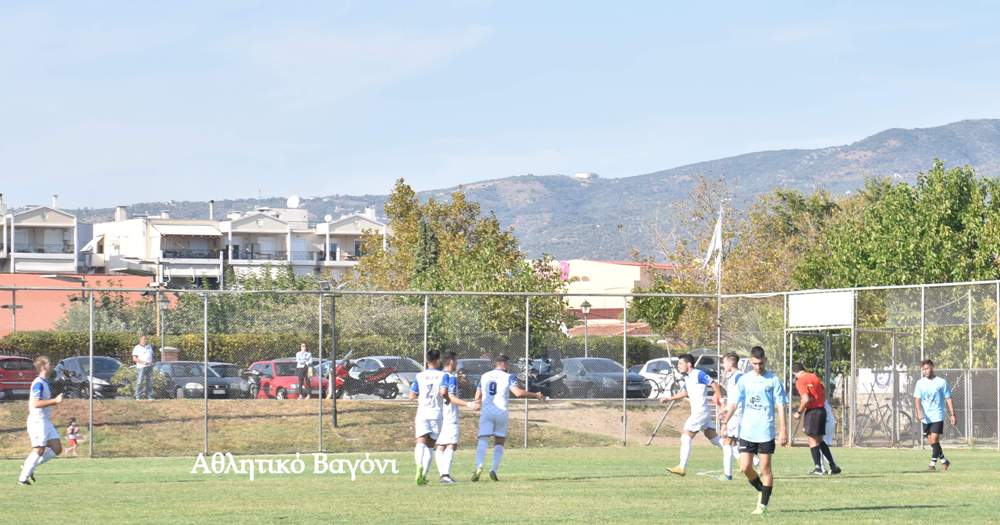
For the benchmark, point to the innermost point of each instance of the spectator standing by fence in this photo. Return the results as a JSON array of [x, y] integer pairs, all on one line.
[[303, 358], [142, 356]]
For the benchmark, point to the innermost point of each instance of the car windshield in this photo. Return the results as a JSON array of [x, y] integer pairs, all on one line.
[[16, 364], [476, 366], [102, 365], [601, 366], [190, 370], [227, 370], [401, 364]]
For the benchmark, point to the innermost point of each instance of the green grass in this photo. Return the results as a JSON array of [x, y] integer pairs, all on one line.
[[568, 485]]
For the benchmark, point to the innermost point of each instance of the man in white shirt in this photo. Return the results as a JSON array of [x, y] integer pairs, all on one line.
[[45, 443], [303, 358], [695, 387], [494, 392], [430, 389], [142, 357]]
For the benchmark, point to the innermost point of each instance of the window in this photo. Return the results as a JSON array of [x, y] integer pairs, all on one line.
[[333, 251], [358, 248], [16, 364]]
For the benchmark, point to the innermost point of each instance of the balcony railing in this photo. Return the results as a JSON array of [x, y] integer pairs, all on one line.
[[190, 254], [275, 255], [43, 248], [304, 256]]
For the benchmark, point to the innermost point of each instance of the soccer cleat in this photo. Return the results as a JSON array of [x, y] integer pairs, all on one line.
[[761, 509], [24, 483], [493, 475], [834, 470], [421, 477], [723, 477], [945, 464], [31, 477], [447, 479], [816, 472], [477, 473], [678, 470]]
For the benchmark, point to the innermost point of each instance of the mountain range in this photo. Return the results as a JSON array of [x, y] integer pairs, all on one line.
[[614, 218]]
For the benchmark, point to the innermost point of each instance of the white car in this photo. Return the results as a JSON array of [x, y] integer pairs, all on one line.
[[406, 369], [662, 376]]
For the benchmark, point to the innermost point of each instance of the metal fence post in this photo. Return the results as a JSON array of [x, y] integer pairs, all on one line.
[[852, 394], [923, 338], [319, 375], [968, 372], [426, 310], [996, 364], [333, 355], [90, 391], [625, 373], [205, 370], [527, 361]]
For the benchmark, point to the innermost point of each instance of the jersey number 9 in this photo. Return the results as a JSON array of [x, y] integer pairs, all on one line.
[[492, 388]]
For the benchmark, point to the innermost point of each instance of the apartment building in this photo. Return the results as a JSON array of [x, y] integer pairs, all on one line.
[[38, 239]]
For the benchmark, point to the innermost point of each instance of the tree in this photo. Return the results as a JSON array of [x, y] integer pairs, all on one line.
[[662, 313]]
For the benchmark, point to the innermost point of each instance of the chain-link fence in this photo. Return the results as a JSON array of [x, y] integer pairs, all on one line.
[[282, 371]]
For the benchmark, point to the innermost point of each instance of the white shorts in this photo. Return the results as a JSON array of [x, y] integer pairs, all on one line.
[[493, 423], [428, 427], [449, 433], [41, 432], [699, 421], [733, 428]]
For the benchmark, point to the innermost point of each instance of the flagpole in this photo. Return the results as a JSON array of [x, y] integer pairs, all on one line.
[[718, 291]]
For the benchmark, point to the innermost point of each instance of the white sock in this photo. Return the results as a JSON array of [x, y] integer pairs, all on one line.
[[446, 457], [428, 456], [727, 460], [29, 465], [497, 456], [736, 452], [717, 441], [49, 454], [481, 451], [685, 450], [418, 454], [439, 461]]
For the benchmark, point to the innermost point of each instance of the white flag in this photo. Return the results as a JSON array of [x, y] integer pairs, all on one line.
[[715, 245]]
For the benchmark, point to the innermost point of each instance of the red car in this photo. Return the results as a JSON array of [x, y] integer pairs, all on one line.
[[16, 375], [278, 380]]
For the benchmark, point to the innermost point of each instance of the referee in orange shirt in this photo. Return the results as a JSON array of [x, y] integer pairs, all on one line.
[[812, 397]]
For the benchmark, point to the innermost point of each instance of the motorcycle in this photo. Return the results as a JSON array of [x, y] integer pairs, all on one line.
[[545, 380], [372, 383]]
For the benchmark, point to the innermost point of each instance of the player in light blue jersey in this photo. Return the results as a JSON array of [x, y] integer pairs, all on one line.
[[447, 441], [761, 398], [930, 395], [731, 430], [494, 392], [45, 443]]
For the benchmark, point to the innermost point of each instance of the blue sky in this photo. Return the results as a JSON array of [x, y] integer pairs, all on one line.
[[117, 102]]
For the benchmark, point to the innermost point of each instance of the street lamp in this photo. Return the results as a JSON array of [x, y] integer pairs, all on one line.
[[585, 308]]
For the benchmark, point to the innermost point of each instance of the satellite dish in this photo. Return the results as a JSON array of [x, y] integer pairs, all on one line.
[[328, 218], [294, 201]]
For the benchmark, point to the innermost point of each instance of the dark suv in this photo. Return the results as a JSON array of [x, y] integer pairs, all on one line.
[[597, 377]]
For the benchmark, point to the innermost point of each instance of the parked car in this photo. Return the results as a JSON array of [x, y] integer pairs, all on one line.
[[278, 379], [237, 385], [468, 373], [16, 375], [72, 377], [187, 379], [406, 369], [597, 377]]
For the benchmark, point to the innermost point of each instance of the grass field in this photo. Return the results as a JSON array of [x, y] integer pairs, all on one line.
[[568, 485]]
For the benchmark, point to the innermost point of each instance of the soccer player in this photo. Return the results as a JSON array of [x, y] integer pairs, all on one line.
[[45, 443], [694, 387], [429, 389], [812, 410], [447, 441], [731, 431], [760, 395], [930, 396], [494, 392]]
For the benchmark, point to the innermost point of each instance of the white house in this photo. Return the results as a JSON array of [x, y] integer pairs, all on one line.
[[39, 239]]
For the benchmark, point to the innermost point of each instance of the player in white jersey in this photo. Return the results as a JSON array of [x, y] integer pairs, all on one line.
[[45, 443], [494, 392], [695, 387], [447, 441], [429, 389], [731, 432]]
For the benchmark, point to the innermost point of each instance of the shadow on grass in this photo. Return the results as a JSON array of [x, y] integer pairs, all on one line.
[[874, 507]]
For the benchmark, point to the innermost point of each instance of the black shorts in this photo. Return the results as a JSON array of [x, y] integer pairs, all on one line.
[[936, 427], [303, 376], [749, 447], [814, 422]]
